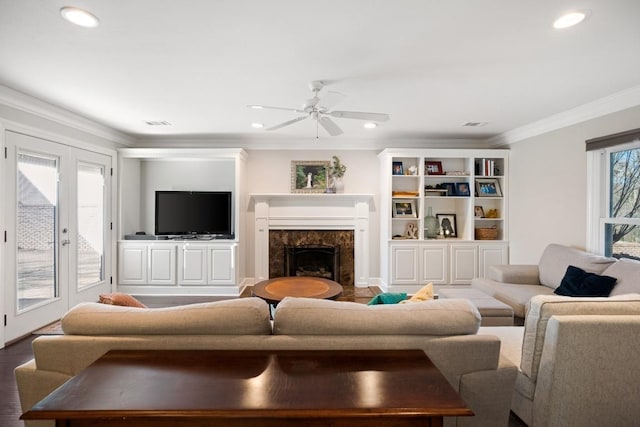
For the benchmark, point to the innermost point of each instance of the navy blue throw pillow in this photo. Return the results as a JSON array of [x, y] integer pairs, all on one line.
[[578, 283]]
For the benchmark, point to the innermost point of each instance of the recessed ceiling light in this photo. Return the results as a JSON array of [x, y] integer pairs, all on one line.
[[370, 125], [257, 125], [79, 17], [157, 123], [570, 19], [257, 107]]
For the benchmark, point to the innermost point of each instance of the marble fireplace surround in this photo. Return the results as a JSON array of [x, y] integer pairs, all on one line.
[[285, 211]]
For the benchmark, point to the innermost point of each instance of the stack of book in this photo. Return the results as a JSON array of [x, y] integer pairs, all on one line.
[[486, 167]]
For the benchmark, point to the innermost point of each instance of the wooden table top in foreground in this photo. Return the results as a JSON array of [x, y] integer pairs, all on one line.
[[275, 290], [254, 388]]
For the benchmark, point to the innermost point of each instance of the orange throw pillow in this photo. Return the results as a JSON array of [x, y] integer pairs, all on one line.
[[118, 298]]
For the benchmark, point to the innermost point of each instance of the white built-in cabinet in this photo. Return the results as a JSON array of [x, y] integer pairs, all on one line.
[[469, 187], [178, 267], [179, 264], [147, 264]]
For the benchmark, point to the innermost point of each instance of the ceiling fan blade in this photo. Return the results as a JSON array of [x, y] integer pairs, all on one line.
[[331, 99], [287, 123], [358, 115], [268, 107], [330, 126]]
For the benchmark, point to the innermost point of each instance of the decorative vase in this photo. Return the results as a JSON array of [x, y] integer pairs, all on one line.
[[338, 185], [431, 225]]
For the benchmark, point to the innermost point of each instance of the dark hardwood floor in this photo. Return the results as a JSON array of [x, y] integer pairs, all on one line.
[[11, 356]]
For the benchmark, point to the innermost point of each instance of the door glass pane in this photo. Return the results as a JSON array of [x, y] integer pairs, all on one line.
[[90, 245], [37, 209]]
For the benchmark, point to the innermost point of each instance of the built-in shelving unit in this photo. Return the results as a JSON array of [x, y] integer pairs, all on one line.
[[179, 266], [466, 191]]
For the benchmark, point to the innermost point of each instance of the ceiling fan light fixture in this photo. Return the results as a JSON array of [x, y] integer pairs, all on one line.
[[370, 125], [79, 17], [569, 19]]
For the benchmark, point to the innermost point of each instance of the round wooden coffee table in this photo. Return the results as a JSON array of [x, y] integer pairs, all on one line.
[[275, 290]]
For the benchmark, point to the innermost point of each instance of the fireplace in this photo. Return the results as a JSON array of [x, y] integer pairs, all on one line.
[[346, 215], [319, 253], [312, 260]]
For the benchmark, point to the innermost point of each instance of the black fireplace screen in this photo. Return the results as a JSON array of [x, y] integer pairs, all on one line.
[[313, 260]]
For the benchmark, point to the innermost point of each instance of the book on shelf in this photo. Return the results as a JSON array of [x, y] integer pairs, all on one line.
[[486, 167]]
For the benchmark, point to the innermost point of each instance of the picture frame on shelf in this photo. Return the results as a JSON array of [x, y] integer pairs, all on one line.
[[478, 211], [488, 187], [462, 189], [309, 176], [433, 168], [450, 187], [448, 225], [398, 168], [404, 209]]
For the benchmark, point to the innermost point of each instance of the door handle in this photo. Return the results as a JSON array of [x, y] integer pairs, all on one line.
[[65, 242]]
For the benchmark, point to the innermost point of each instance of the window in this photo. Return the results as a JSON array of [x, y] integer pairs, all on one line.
[[615, 197]]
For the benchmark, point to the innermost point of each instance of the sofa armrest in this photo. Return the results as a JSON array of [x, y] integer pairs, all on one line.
[[515, 274], [35, 384]]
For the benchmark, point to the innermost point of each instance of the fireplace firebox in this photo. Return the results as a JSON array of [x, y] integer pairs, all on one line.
[[313, 260]]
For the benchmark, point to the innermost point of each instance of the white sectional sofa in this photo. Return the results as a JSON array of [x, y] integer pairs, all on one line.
[[445, 329], [578, 361], [515, 285], [577, 356]]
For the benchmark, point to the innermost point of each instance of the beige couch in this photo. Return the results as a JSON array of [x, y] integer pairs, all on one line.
[[515, 285], [444, 329], [578, 361]]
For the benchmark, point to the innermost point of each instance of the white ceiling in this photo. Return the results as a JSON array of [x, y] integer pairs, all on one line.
[[431, 64]]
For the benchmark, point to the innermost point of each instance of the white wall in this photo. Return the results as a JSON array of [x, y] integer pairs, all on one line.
[[201, 175], [269, 171], [548, 185]]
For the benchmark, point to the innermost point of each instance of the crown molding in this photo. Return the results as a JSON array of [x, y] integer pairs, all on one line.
[[325, 143], [28, 104], [618, 101]]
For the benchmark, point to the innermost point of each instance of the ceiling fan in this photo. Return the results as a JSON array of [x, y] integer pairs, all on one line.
[[319, 109]]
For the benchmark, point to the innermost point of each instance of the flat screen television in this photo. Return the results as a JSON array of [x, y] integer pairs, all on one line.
[[193, 213]]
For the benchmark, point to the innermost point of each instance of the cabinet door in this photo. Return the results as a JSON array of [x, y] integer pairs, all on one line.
[[222, 269], [464, 263], [192, 265], [491, 254], [404, 265], [162, 265], [434, 261], [132, 263]]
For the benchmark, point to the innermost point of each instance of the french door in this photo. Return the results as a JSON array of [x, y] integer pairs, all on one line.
[[57, 215]]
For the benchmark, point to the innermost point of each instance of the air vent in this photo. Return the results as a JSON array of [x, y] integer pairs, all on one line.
[[475, 124], [157, 123]]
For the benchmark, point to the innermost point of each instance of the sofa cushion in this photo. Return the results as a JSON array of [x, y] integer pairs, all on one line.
[[542, 307], [517, 296], [627, 271], [555, 259], [578, 283], [308, 316], [228, 317]]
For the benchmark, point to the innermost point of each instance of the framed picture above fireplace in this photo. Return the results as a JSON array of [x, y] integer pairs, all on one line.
[[309, 176]]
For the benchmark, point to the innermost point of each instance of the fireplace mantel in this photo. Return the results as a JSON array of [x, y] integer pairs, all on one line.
[[315, 211]]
